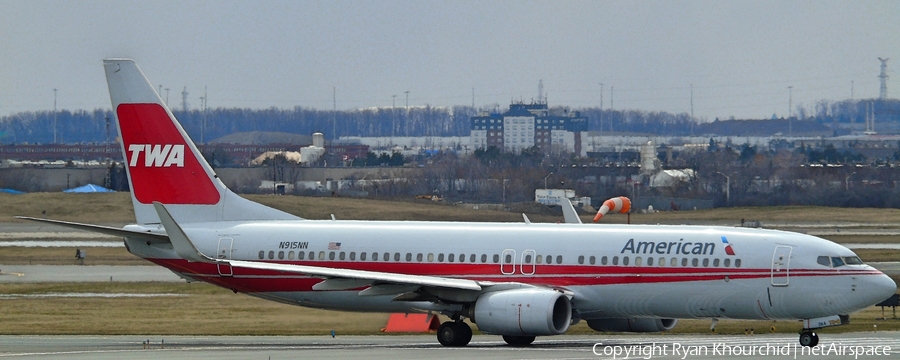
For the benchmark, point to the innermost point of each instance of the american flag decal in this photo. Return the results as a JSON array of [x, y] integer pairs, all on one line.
[[334, 246]]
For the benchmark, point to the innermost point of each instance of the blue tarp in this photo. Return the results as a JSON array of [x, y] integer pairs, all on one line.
[[11, 191], [89, 188]]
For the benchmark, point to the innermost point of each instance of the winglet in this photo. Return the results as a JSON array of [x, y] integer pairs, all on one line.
[[183, 246], [569, 213]]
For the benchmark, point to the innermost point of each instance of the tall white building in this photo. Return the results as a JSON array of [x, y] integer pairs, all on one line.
[[528, 125]]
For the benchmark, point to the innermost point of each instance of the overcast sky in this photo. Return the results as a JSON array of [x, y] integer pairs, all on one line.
[[740, 56]]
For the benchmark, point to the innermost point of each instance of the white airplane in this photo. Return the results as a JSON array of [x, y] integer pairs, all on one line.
[[518, 280]]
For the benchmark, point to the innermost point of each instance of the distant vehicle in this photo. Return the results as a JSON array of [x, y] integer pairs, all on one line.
[[518, 280]]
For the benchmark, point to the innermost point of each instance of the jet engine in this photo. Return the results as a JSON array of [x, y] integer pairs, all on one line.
[[632, 324], [523, 312]]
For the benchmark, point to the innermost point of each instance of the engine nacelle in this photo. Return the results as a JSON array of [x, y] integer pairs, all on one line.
[[632, 325], [523, 312]]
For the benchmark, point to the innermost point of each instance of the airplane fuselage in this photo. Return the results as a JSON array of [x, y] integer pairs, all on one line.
[[667, 271]]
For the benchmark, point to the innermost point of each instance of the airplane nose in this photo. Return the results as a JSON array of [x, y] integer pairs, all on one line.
[[880, 288]]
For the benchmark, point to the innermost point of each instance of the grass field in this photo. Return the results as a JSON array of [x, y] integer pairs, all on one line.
[[116, 208], [202, 309]]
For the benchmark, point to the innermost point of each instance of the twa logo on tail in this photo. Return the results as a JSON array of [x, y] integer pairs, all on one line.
[[157, 155], [163, 166]]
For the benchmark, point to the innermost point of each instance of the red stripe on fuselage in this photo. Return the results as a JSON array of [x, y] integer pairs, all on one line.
[[253, 280]]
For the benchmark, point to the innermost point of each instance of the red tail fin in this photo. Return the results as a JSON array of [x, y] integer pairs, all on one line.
[[162, 162]]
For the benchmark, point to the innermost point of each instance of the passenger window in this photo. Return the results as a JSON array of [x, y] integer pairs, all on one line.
[[637, 261], [694, 262], [592, 260], [396, 256], [472, 258], [462, 257], [528, 259], [387, 257], [312, 255], [452, 257], [281, 255], [673, 262], [262, 254], [580, 259], [408, 257], [727, 262], [715, 262], [440, 257], [603, 260], [705, 262], [419, 257], [496, 258], [507, 260], [737, 263], [362, 256], [824, 261], [559, 259], [684, 262], [661, 262], [331, 255], [649, 261], [353, 255], [549, 259], [624, 260], [342, 256], [301, 255], [290, 255], [430, 257], [615, 260], [271, 255], [539, 259], [374, 256], [483, 258]]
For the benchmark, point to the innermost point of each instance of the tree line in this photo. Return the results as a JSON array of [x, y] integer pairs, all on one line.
[[95, 126]]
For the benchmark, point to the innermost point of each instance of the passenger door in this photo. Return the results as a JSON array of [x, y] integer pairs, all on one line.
[[781, 261]]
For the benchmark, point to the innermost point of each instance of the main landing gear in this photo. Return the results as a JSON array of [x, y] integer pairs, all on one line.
[[809, 338], [454, 333]]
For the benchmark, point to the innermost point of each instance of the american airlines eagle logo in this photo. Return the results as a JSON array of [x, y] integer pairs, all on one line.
[[156, 155], [728, 249]]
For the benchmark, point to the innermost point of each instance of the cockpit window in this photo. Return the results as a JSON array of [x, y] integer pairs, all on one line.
[[852, 260], [824, 260], [836, 261]]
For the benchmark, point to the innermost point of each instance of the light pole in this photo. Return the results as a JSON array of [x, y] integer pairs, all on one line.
[[545, 179], [847, 181], [727, 188]]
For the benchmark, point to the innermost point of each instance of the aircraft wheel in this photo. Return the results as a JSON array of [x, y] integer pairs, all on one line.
[[809, 338], [518, 340], [454, 333]]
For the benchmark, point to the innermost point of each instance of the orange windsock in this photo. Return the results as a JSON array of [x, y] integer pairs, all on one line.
[[619, 204]]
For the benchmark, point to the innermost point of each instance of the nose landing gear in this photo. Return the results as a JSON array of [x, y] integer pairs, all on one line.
[[809, 338]]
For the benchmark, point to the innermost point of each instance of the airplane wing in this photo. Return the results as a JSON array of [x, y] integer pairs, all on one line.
[[102, 229], [357, 278]]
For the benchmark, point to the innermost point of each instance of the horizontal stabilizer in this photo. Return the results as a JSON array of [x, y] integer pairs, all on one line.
[[106, 230]]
